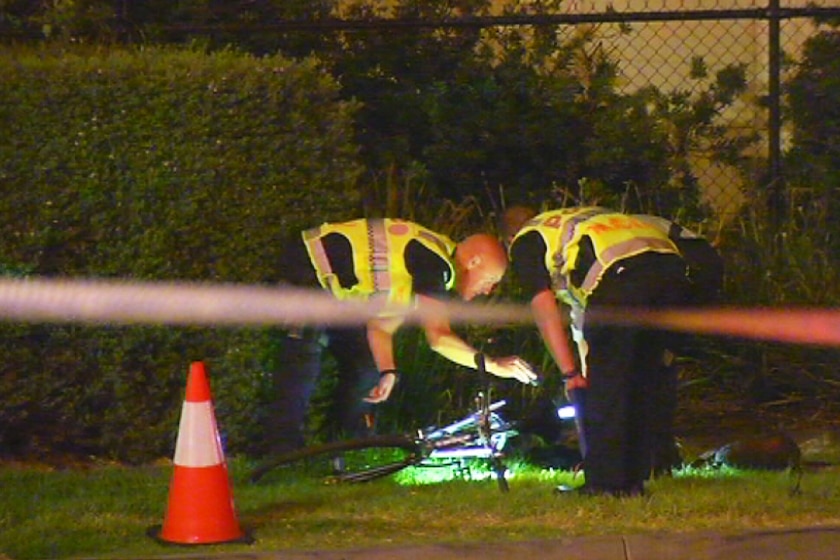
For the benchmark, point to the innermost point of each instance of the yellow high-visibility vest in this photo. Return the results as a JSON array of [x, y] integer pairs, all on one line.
[[614, 236], [378, 257]]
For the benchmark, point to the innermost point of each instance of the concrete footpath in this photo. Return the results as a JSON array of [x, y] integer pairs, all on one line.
[[801, 544]]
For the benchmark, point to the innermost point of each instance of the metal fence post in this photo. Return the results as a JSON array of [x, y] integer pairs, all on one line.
[[775, 182]]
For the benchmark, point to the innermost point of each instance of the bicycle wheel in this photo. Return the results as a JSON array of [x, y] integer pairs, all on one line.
[[372, 467]]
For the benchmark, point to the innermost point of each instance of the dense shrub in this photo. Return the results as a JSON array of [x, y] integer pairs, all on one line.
[[156, 164]]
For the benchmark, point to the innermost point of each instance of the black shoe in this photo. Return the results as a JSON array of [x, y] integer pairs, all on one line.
[[584, 490], [632, 491], [661, 472]]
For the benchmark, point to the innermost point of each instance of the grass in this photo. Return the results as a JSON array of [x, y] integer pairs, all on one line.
[[104, 512]]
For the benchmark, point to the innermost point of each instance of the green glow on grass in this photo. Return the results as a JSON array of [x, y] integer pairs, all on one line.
[[437, 471]]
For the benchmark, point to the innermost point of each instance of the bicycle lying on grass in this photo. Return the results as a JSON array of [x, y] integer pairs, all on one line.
[[479, 435]]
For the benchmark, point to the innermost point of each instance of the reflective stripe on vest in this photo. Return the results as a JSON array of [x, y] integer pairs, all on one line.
[[626, 249], [378, 241], [557, 228]]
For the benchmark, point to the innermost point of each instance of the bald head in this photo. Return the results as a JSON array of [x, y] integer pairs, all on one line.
[[480, 264], [513, 219]]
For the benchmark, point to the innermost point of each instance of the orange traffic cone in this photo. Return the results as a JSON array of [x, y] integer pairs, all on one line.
[[200, 509]]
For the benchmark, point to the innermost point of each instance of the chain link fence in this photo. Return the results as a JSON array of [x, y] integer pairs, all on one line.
[[657, 43]]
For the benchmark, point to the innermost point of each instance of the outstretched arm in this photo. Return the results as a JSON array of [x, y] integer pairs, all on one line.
[[452, 347], [550, 323], [380, 334]]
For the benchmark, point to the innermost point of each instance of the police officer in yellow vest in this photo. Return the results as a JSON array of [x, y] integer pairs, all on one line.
[[589, 258], [403, 263]]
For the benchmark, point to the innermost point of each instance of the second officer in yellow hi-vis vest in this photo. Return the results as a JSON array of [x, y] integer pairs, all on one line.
[[592, 258], [403, 263]]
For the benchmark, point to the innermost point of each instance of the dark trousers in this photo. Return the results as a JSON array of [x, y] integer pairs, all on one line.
[[297, 377], [632, 395]]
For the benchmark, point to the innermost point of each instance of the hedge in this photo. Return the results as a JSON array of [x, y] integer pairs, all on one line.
[[154, 164]]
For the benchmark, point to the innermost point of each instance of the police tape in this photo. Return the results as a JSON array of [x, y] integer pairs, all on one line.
[[204, 304], [172, 303], [813, 326]]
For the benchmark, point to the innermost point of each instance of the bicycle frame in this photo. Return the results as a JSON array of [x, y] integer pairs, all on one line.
[[480, 435], [472, 445]]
